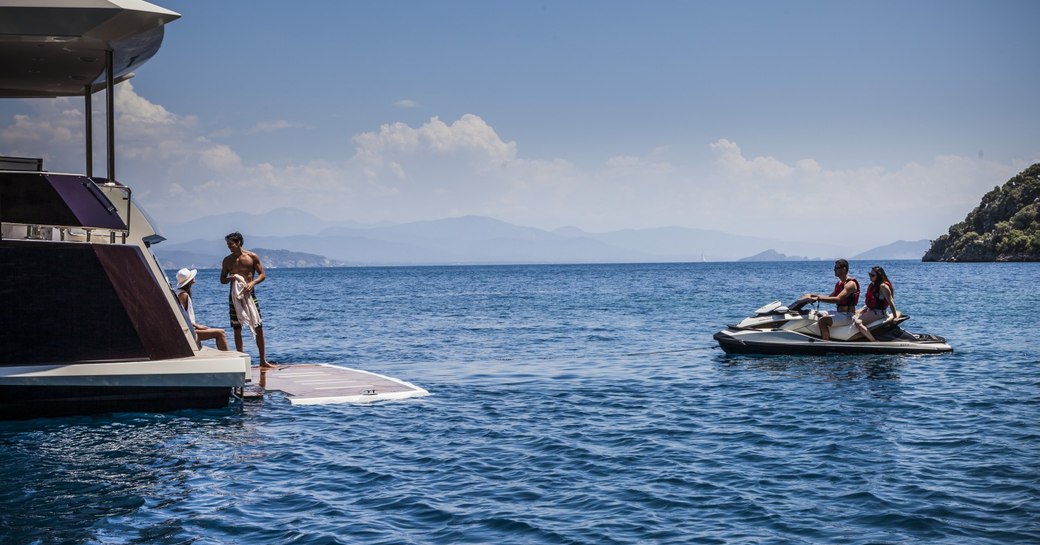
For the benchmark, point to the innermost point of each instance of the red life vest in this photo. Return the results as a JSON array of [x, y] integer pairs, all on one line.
[[848, 300], [875, 302]]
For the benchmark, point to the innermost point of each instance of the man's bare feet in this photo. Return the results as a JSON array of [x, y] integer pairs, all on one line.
[[267, 365]]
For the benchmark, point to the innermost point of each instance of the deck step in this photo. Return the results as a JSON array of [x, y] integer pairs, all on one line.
[[322, 383]]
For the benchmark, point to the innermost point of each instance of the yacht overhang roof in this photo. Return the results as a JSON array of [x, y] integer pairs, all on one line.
[[52, 48]]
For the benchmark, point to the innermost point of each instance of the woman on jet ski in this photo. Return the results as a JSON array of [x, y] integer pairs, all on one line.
[[880, 296]]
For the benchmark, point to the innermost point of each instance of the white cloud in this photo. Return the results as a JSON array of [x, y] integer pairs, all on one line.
[[220, 157], [266, 127], [732, 161], [639, 167], [162, 155], [47, 136], [182, 169], [469, 139], [135, 109], [856, 205], [406, 103]]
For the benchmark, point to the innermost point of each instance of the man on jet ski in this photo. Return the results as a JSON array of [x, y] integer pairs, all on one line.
[[845, 295]]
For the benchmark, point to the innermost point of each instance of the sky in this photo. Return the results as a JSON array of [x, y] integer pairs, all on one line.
[[850, 123]]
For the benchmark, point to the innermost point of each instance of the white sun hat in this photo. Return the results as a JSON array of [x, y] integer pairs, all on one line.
[[184, 276]]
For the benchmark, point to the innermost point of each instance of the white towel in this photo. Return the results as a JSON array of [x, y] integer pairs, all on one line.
[[245, 308]]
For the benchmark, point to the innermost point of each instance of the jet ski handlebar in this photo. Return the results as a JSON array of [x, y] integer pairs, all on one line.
[[797, 305]]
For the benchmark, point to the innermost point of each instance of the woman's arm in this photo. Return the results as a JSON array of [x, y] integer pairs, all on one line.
[[891, 299]]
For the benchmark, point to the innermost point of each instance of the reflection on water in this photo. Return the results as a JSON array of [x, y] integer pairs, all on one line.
[[835, 367], [84, 470]]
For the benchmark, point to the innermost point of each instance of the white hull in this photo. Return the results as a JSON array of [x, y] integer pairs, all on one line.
[[204, 381], [740, 341], [776, 329], [210, 368]]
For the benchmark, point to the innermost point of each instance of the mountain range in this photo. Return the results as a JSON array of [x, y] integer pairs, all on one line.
[[462, 240]]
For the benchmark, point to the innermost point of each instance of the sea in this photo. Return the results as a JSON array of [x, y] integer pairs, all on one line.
[[571, 404]]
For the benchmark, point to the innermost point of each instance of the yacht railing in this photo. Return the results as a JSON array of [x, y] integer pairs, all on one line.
[[107, 194], [31, 164], [62, 233]]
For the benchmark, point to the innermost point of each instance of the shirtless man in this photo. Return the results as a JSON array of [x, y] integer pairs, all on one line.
[[245, 264]]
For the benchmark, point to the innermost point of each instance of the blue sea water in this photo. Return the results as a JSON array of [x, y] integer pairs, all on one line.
[[571, 404]]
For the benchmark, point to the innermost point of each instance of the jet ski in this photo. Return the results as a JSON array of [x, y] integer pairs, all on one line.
[[794, 329]]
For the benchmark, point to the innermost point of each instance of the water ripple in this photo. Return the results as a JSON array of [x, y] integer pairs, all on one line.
[[575, 405]]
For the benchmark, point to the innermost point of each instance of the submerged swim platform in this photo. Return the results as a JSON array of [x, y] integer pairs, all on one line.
[[323, 384]]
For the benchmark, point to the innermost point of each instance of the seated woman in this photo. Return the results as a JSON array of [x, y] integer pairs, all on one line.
[[185, 280], [880, 296]]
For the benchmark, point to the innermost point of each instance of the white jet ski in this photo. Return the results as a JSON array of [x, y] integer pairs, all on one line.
[[779, 329]]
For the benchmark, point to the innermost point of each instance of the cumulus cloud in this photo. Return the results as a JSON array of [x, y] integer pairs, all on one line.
[[56, 135], [137, 110], [220, 157], [469, 139], [182, 169], [159, 152], [732, 161], [862, 204]]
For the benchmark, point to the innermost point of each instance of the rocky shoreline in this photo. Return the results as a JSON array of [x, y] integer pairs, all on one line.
[[1004, 227]]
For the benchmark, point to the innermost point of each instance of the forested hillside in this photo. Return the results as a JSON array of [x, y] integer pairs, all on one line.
[[1004, 227]]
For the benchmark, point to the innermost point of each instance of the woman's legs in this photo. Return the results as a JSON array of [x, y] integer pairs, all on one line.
[[868, 316], [207, 333]]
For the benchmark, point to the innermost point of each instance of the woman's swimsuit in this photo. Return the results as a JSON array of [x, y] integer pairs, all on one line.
[[877, 300]]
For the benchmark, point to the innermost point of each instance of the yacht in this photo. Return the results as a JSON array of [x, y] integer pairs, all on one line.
[[88, 320]]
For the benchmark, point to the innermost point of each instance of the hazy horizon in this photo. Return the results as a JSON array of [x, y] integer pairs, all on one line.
[[480, 239]]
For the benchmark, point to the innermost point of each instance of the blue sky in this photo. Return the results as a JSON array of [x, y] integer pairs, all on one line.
[[856, 123]]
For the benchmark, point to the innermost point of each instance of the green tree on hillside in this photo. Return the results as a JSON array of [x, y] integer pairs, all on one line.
[[1004, 227]]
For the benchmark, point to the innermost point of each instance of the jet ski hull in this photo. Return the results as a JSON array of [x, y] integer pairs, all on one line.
[[781, 342]]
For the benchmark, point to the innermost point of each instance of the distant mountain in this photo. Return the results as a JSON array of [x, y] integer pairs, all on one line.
[[176, 259], [684, 244], [467, 239], [286, 258], [1004, 227], [773, 255], [279, 221], [900, 249]]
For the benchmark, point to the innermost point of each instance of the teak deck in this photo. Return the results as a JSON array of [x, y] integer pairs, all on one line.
[[318, 384]]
